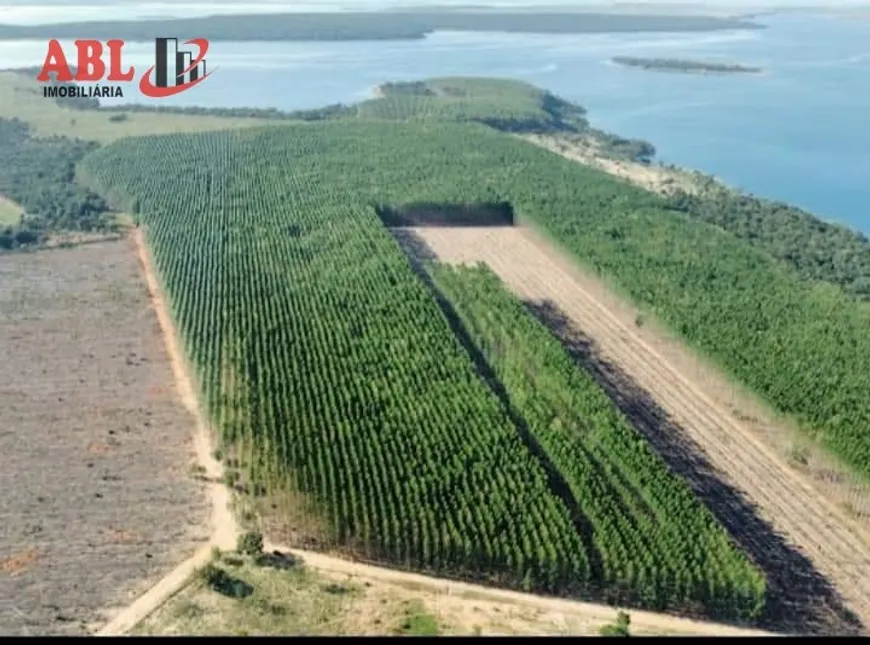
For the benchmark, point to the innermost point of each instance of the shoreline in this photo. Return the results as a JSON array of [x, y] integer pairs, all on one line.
[[659, 177]]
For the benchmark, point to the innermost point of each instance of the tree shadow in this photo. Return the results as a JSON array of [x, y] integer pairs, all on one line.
[[446, 214], [800, 599], [415, 248]]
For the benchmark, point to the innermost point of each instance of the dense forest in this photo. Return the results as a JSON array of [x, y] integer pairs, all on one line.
[[740, 305], [608, 467], [508, 106], [355, 392], [816, 250], [372, 25], [39, 174]]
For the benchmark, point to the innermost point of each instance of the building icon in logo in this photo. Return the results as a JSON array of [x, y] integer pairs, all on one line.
[[175, 71], [174, 67]]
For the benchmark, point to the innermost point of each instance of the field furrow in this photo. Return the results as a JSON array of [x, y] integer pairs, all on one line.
[[836, 548]]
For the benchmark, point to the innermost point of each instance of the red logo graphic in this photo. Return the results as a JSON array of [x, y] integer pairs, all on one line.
[[175, 71]]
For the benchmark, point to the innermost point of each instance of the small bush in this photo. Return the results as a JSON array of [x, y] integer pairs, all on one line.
[[278, 561], [250, 543], [336, 589], [619, 628], [220, 581], [799, 456]]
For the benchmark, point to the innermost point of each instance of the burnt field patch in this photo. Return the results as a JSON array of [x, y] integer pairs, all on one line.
[[446, 214], [99, 498]]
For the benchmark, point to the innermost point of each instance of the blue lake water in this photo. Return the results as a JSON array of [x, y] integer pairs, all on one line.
[[799, 133]]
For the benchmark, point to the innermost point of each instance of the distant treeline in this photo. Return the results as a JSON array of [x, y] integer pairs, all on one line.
[[319, 114], [39, 174], [681, 65], [373, 25]]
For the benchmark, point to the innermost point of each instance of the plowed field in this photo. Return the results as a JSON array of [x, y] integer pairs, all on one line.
[[816, 558]]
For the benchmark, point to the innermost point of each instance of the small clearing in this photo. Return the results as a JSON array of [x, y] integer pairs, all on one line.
[[100, 500]]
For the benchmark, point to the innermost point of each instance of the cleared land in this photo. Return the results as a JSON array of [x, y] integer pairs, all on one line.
[[100, 499], [689, 423]]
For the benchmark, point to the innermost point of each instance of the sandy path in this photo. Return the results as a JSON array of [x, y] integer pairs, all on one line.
[[591, 612], [223, 522], [834, 544]]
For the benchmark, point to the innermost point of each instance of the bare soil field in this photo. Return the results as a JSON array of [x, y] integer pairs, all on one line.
[[817, 558], [99, 500]]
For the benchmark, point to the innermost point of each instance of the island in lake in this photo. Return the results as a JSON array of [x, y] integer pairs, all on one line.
[[681, 65]]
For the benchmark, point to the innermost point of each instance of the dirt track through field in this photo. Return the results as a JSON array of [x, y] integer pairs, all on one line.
[[224, 526], [680, 417], [226, 529]]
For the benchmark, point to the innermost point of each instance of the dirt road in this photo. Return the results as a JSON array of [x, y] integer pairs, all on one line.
[[226, 529], [705, 442], [223, 522], [588, 612]]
